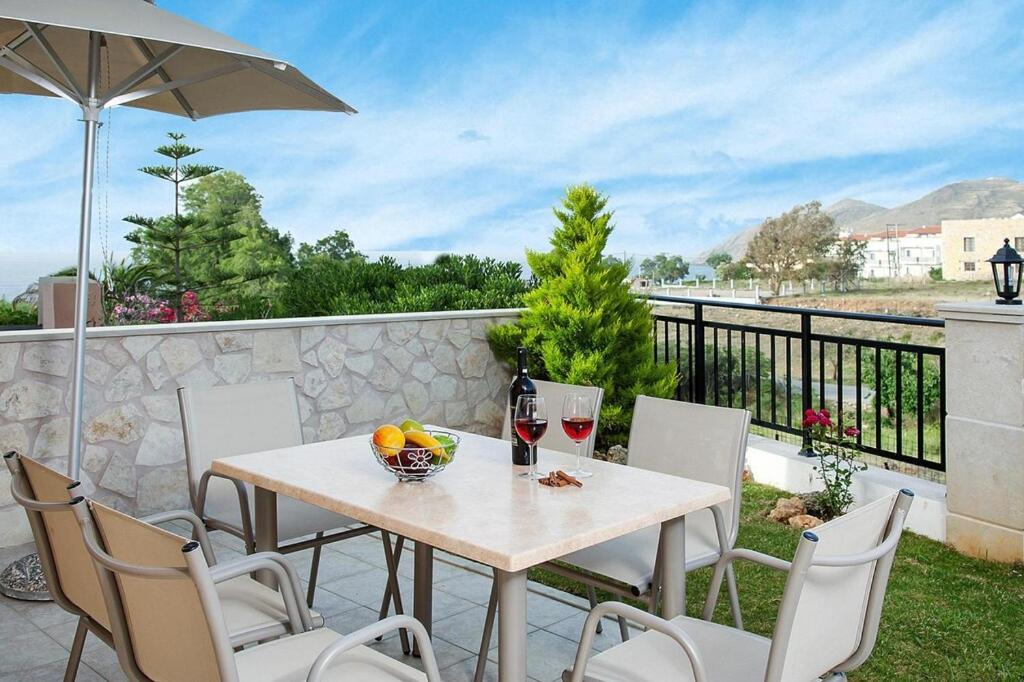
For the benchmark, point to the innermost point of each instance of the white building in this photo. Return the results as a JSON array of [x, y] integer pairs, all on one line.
[[901, 252]]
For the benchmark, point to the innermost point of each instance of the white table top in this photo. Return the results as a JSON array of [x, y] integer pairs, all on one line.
[[477, 507]]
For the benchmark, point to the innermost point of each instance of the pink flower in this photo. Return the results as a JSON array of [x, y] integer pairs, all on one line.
[[852, 431]]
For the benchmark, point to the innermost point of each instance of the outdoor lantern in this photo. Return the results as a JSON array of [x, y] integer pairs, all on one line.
[[1006, 271]]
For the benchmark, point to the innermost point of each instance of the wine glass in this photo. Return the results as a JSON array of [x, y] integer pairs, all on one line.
[[578, 423], [531, 422]]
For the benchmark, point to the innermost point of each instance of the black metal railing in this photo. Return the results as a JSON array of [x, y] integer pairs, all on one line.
[[898, 391]]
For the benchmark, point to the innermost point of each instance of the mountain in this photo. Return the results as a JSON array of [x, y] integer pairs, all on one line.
[[987, 198], [848, 211]]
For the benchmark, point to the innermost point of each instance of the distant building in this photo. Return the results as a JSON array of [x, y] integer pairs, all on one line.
[[967, 244], [899, 251]]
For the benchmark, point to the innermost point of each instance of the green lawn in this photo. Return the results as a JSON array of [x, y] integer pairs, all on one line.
[[946, 617]]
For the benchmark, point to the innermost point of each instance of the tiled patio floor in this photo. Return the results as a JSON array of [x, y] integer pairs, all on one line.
[[36, 636]]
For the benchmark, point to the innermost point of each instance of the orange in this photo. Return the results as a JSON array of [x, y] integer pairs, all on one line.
[[390, 439]]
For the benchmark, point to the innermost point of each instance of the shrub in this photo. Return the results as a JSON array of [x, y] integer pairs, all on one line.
[[931, 382], [327, 286], [837, 461], [583, 326], [935, 274], [12, 314]]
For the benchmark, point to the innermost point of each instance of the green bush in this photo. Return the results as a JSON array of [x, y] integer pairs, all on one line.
[[328, 286], [935, 274], [931, 382], [17, 314], [583, 326]]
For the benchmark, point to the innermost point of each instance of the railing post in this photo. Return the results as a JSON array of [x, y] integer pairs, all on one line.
[[806, 379], [699, 375]]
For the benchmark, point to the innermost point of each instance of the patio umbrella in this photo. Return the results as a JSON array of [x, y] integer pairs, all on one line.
[[155, 60]]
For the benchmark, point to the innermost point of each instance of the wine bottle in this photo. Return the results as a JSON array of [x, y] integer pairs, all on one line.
[[521, 385]]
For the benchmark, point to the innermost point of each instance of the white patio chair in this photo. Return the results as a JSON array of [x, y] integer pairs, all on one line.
[[252, 612], [162, 593], [827, 622], [694, 441], [221, 421]]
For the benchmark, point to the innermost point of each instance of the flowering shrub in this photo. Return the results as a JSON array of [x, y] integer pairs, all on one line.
[[837, 459], [191, 311], [142, 309]]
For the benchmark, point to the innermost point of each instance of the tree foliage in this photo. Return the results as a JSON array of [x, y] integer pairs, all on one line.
[[582, 324], [664, 267], [843, 264], [787, 244], [338, 246]]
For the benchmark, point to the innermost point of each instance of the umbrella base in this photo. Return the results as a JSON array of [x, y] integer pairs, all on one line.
[[24, 580]]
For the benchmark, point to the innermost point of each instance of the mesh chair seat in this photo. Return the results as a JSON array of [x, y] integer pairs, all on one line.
[[629, 559], [729, 655], [254, 611], [288, 660]]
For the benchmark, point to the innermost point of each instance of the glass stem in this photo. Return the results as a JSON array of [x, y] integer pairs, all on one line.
[[579, 468], [533, 460]]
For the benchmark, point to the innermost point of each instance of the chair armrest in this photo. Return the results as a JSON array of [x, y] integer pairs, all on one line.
[[299, 617], [369, 633], [243, 503], [198, 529], [648, 620], [723, 562]]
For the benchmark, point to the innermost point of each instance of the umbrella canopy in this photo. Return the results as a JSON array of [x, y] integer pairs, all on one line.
[[157, 60]]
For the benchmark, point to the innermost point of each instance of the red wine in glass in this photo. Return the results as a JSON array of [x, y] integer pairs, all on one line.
[[578, 423], [577, 428], [531, 430], [531, 422]]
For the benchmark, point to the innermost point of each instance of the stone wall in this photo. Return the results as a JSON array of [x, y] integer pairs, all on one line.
[[352, 373]]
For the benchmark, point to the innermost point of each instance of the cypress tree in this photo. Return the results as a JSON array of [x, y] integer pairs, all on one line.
[[583, 325]]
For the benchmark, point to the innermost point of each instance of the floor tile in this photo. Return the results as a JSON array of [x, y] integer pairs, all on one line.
[[28, 651], [53, 671], [572, 628]]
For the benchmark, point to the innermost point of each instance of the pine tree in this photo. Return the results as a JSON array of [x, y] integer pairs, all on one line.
[[166, 241], [582, 325]]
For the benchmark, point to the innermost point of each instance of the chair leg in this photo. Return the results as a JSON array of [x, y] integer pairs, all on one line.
[[592, 596], [71, 672], [485, 639], [734, 597], [392, 592], [623, 629], [313, 570]]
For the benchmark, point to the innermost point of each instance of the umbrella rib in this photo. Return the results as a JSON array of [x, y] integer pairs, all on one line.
[[37, 32], [142, 73], [171, 85], [13, 61], [140, 44], [316, 93]]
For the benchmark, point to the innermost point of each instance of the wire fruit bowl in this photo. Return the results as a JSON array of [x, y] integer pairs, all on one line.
[[417, 463]]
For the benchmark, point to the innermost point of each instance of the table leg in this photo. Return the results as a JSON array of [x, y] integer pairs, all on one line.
[[423, 587], [266, 530], [511, 625], [672, 551]]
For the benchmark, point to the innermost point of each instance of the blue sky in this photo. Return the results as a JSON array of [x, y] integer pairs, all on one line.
[[697, 119]]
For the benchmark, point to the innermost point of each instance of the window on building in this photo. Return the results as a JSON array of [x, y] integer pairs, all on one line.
[[968, 266], [1018, 243], [968, 243]]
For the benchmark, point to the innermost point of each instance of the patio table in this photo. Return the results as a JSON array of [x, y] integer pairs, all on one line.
[[479, 509]]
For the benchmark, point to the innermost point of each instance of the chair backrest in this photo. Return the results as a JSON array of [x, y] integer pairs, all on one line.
[[58, 538], [555, 438], [169, 606], [221, 421], [695, 441], [831, 607]]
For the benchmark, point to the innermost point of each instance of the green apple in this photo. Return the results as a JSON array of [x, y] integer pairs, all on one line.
[[449, 449], [411, 425]]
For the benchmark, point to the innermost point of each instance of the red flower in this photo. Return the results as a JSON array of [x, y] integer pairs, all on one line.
[[810, 418], [825, 413], [852, 431]]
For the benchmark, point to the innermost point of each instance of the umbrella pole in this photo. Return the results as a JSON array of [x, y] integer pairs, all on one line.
[[91, 118]]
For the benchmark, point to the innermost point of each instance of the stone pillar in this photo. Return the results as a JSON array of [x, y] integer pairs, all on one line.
[[985, 429]]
